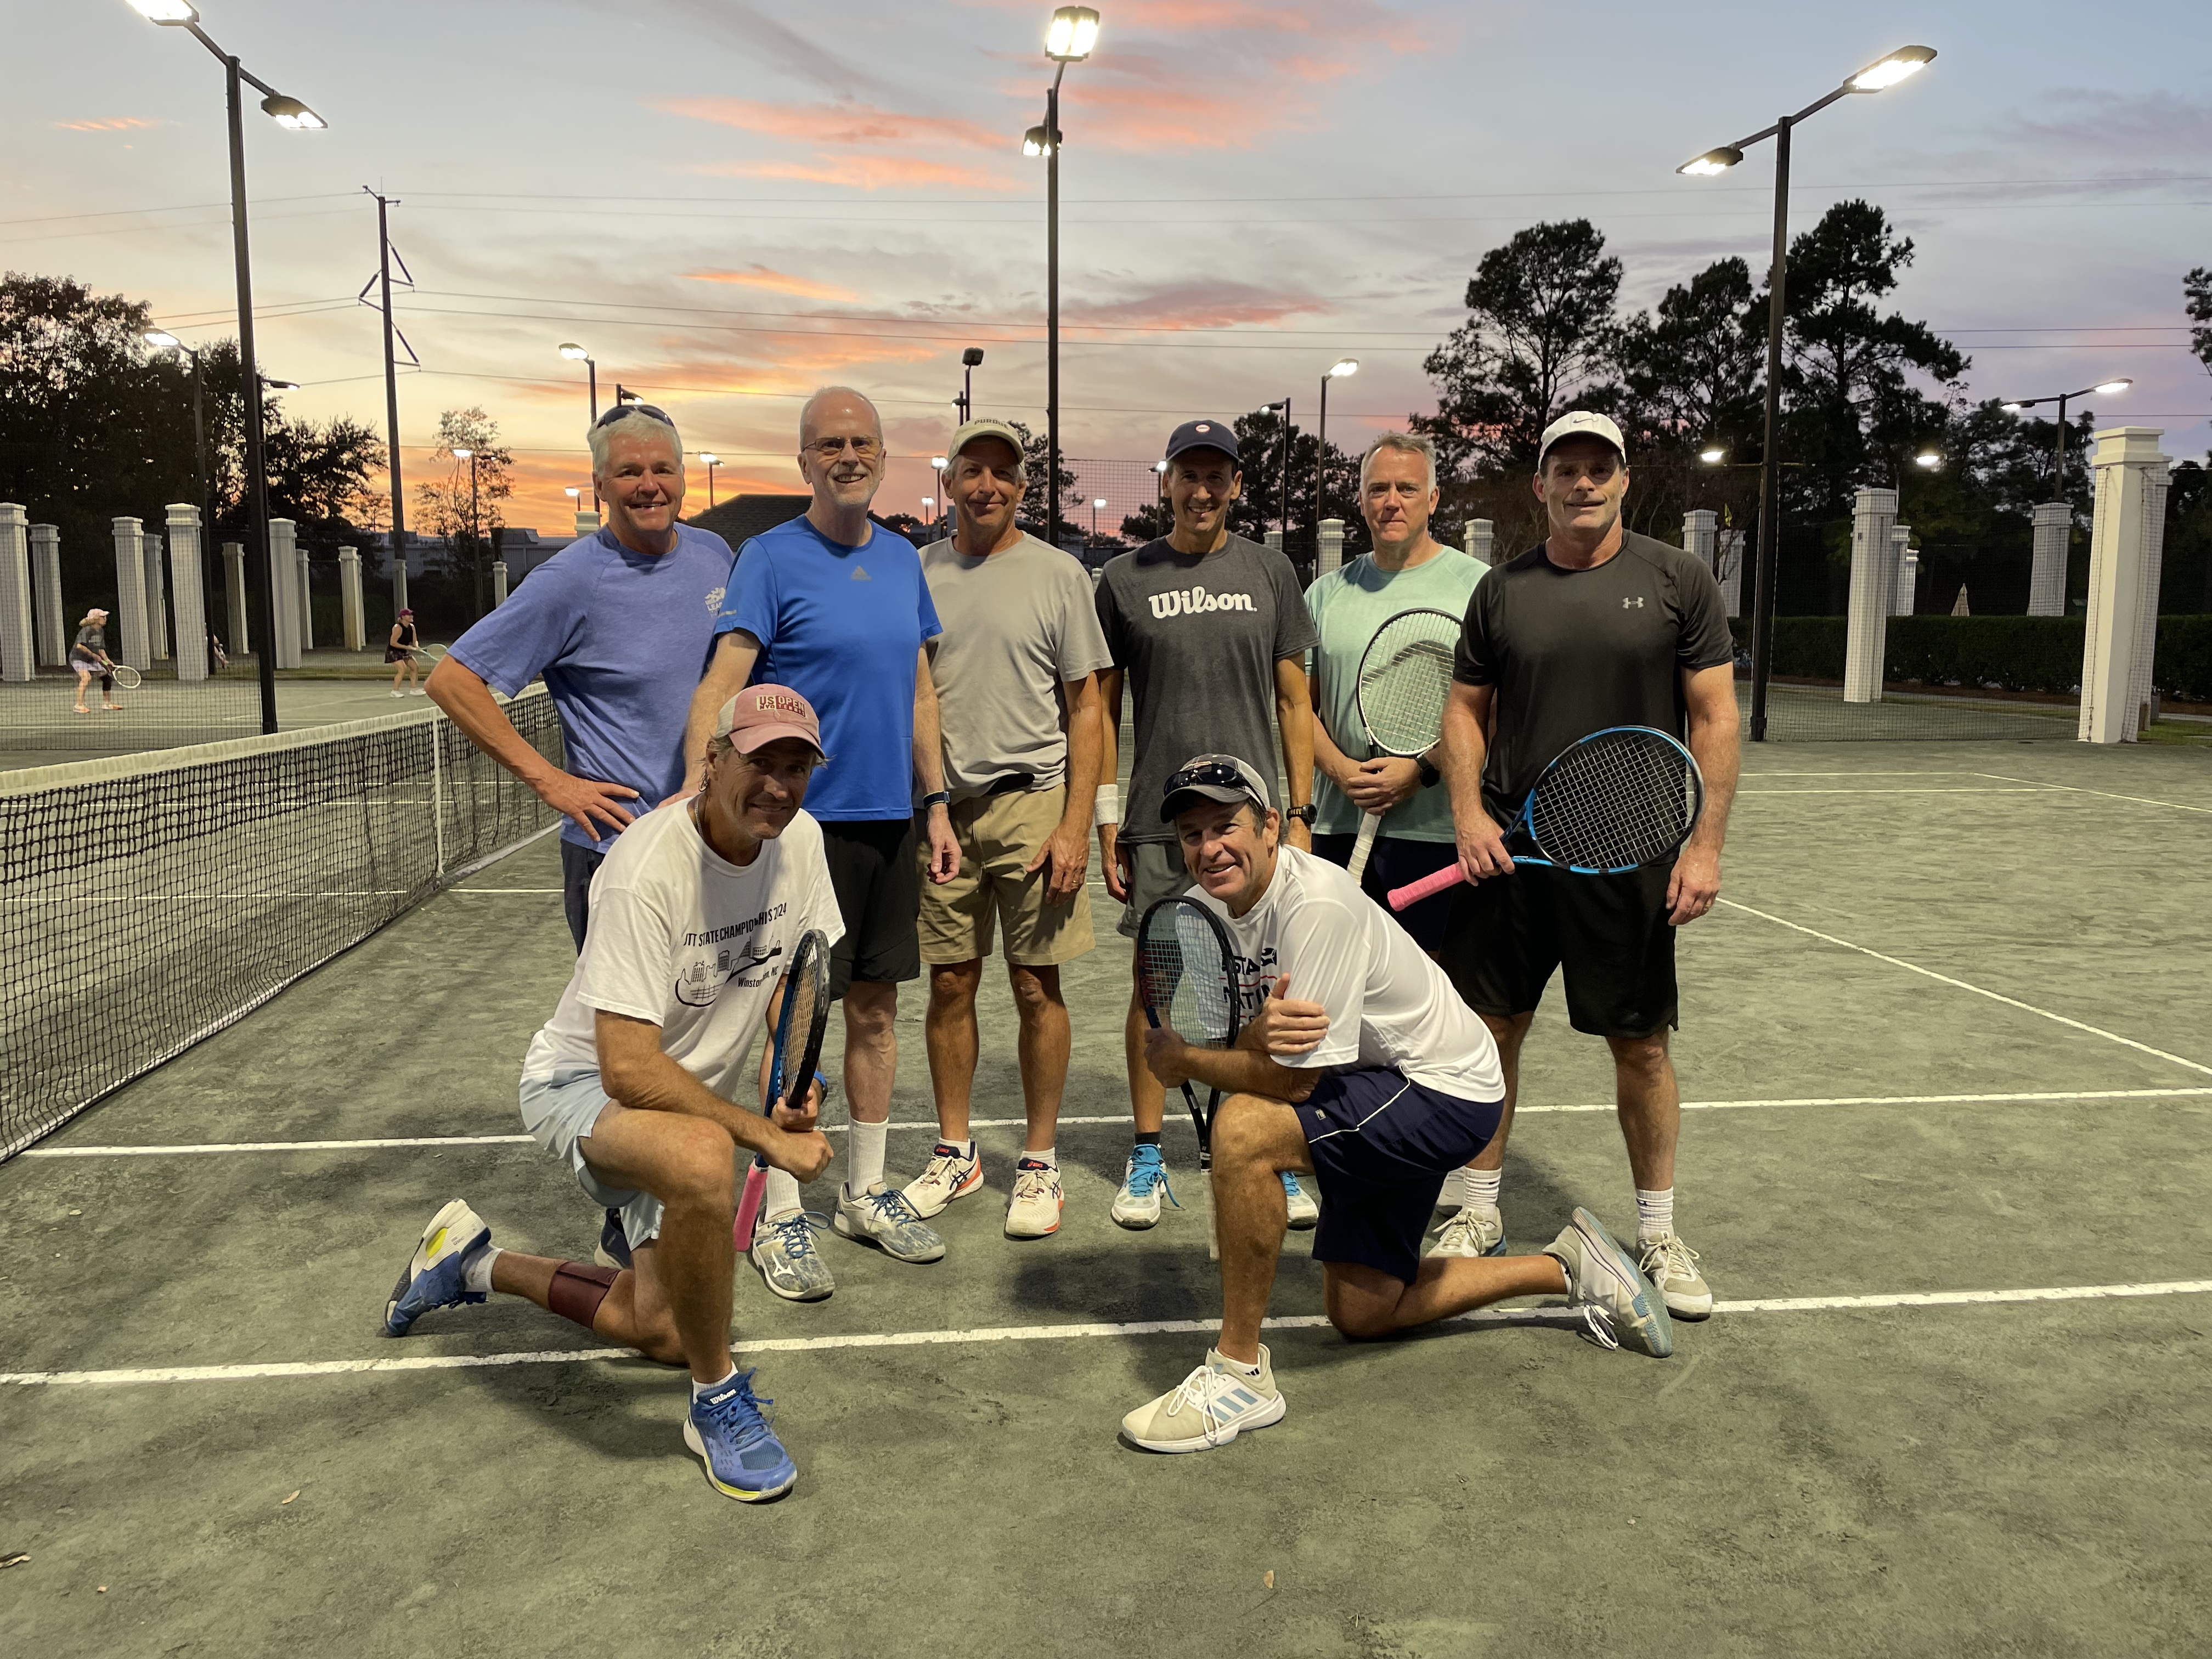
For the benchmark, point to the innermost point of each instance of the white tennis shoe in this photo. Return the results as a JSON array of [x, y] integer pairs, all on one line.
[[1471, 1231], [1672, 1266], [1209, 1408], [1144, 1180], [883, 1218], [1617, 1301], [946, 1176], [1034, 1210], [1304, 1210]]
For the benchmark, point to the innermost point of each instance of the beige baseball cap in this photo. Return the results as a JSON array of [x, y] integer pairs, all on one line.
[[1582, 424], [981, 428]]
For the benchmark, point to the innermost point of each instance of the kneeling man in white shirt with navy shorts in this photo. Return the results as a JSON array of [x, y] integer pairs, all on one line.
[[1357, 1063]]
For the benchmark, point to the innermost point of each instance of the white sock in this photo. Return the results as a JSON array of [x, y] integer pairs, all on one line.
[[867, 1167], [1238, 1366], [780, 1196], [1049, 1158], [1654, 1214], [475, 1270], [1474, 1188], [965, 1148], [700, 1390]]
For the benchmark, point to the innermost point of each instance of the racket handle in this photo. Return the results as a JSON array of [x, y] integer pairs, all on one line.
[[1212, 1227], [1435, 882], [741, 1234], [1369, 823]]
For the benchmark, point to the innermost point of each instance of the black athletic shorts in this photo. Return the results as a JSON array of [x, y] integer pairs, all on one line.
[[878, 879], [1391, 863], [578, 866], [1381, 1146], [1609, 934]]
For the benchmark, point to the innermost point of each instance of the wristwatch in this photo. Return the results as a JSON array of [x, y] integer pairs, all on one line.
[[937, 798], [1304, 815], [1429, 776]]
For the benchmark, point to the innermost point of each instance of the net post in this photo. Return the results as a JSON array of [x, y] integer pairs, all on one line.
[[2127, 542], [436, 729]]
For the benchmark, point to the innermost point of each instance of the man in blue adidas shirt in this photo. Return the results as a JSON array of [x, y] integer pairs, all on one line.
[[619, 624], [837, 610]]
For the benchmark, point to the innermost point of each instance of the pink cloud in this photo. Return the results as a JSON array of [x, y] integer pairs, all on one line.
[[1196, 304], [775, 281], [855, 172], [108, 123], [845, 123]]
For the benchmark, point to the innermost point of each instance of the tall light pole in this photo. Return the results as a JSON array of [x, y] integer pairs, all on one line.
[[168, 342], [1883, 73], [392, 404], [712, 460], [286, 112], [1097, 501], [2102, 389], [576, 353], [475, 553], [970, 360], [1069, 39], [1337, 371], [1282, 406]]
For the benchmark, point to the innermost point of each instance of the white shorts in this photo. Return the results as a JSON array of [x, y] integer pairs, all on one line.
[[560, 1111]]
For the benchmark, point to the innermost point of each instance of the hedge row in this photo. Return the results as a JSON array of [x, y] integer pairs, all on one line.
[[2005, 653]]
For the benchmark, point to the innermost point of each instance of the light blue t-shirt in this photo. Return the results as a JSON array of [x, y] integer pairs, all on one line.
[[622, 639], [1349, 606], [841, 626]]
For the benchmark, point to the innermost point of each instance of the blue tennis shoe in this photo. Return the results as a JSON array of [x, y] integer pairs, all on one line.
[[433, 1275], [731, 1433]]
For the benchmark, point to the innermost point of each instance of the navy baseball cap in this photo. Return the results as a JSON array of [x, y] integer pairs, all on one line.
[[1204, 435]]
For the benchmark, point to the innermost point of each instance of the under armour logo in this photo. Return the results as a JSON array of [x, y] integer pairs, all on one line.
[[1637, 602], [860, 574]]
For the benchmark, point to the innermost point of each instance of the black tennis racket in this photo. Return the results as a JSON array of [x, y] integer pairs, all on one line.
[[1405, 680], [1611, 802], [799, 1025], [1188, 983]]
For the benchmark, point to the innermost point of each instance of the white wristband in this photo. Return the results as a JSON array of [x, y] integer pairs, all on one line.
[[1106, 807]]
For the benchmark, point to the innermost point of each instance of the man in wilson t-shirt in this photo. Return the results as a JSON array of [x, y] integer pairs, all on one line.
[[1594, 627], [1208, 634], [1357, 1062], [635, 1082], [837, 609]]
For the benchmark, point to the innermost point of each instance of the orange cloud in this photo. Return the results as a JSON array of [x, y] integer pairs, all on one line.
[[774, 282], [845, 123], [1197, 305], [856, 172], [108, 123]]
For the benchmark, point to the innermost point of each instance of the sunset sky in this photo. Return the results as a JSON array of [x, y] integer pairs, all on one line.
[[732, 203]]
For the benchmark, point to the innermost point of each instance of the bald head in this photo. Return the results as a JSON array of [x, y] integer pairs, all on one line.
[[841, 406], [841, 456]]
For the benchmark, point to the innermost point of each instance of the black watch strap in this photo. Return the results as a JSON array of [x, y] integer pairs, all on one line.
[[1304, 815], [1429, 776]]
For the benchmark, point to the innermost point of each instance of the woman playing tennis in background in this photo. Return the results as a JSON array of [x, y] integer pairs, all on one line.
[[88, 656], [404, 652]]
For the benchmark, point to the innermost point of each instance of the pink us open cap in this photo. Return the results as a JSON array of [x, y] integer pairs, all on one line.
[[761, 713]]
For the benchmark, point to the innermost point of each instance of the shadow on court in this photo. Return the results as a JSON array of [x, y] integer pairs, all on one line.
[[1830, 1475]]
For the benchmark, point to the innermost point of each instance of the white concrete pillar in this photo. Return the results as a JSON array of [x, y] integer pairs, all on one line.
[[1701, 532], [1730, 550], [350, 596], [187, 592], [19, 650], [129, 643], [2127, 542], [498, 583], [588, 524], [1874, 511], [157, 605], [54, 632], [2046, 581], [1478, 539], [1900, 550], [240, 638], [307, 601], [284, 566], [1272, 539], [1330, 555], [1908, 583]]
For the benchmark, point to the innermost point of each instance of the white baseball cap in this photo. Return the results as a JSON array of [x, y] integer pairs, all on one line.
[[1582, 424]]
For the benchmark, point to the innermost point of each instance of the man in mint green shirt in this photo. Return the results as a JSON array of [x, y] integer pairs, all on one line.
[[1408, 570]]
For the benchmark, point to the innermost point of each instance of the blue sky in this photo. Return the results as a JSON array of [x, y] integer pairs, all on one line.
[[731, 204]]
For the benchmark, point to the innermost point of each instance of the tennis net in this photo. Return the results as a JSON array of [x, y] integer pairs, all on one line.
[[148, 901]]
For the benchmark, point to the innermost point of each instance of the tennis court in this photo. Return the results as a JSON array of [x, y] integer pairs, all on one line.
[[1947, 1044]]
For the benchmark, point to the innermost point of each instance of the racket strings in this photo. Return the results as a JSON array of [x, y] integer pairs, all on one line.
[[1405, 681], [1183, 977], [1615, 805]]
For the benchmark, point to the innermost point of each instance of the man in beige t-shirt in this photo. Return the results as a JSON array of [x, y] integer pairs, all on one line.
[[1017, 676]]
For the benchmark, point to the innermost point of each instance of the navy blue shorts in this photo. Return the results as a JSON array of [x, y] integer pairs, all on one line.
[[1393, 862], [1382, 1147]]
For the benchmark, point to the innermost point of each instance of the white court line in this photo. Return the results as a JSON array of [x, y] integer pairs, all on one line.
[[509, 892], [1544, 1316], [2075, 789], [192, 1148], [1994, 996], [1964, 789]]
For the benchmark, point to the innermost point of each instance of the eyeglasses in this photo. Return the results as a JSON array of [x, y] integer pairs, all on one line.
[[829, 449], [650, 411]]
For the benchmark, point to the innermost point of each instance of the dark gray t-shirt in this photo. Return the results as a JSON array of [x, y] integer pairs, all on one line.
[[1573, 652], [1198, 639]]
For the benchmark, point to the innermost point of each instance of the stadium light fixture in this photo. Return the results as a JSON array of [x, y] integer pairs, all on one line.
[[1714, 456], [1071, 33], [571, 491], [1342, 367], [2111, 388], [711, 460], [162, 340], [291, 114], [464, 454], [1034, 141], [280, 385], [1884, 72], [1928, 459]]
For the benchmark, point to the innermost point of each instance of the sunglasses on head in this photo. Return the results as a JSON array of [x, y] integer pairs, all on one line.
[[1209, 774], [651, 411]]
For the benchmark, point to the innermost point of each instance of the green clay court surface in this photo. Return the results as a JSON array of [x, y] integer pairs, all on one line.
[[1947, 1046]]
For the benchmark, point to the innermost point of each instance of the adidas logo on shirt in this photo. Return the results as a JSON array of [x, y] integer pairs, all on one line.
[[1190, 601], [860, 574]]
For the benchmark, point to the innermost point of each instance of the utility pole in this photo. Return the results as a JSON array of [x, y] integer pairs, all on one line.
[[398, 541]]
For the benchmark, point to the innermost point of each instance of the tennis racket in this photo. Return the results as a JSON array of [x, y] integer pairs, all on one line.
[[1187, 984], [1405, 679], [800, 1024], [126, 677], [1611, 802], [431, 655]]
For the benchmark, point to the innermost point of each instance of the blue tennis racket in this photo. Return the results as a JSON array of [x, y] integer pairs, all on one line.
[[800, 1025], [1611, 802]]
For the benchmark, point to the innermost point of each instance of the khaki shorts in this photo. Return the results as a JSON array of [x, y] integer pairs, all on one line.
[[998, 835]]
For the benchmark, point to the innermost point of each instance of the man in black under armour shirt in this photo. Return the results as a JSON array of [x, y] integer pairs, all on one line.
[[1594, 627]]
